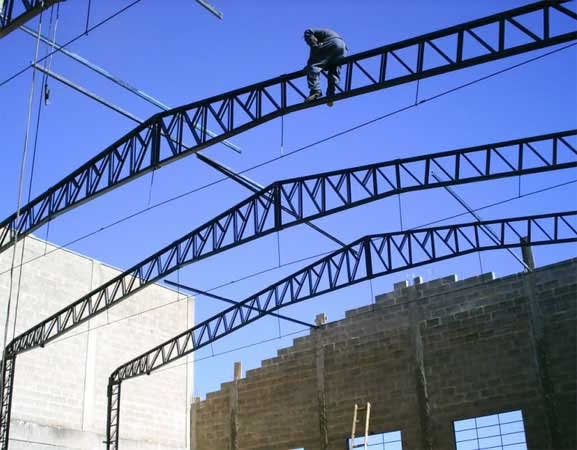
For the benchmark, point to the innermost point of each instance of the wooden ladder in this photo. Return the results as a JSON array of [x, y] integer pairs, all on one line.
[[359, 410]]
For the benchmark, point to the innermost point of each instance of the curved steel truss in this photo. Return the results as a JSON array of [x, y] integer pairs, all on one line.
[[289, 202], [160, 140], [364, 259]]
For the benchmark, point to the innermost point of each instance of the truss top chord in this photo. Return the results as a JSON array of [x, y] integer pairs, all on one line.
[[161, 139]]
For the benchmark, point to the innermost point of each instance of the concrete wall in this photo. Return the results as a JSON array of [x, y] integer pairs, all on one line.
[[60, 390], [423, 356]]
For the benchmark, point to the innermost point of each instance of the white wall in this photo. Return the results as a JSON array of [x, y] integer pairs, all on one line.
[[60, 390]]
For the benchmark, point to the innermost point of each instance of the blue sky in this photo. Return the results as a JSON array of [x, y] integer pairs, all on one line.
[[179, 53]]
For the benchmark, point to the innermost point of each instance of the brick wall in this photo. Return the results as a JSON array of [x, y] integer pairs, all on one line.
[[423, 356], [60, 390]]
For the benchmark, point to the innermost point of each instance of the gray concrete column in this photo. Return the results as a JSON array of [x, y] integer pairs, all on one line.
[[234, 413], [540, 357], [320, 320], [425, 441], [193, 422]]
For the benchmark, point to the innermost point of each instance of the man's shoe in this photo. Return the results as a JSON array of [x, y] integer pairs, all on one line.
[[313, 96], [330, 95]]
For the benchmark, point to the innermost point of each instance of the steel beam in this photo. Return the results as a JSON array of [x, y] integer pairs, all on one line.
[[210, 8], [256, 187], [86, 92], [116, 80], [367, 258], [147, 147]]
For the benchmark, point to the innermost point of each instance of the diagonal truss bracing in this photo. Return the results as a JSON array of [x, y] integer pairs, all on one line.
[[305, 198], [290, 202], [160, 139], [287, 203], [6, 398], [14, 13], [368, 257], [364, 259]]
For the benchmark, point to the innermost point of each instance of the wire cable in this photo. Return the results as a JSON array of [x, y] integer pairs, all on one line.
[[48, 65], [88, 16], [44, 84], [32, 169], [18, 201], [99, 24], [51, 56], [236, 349], [44, 444]]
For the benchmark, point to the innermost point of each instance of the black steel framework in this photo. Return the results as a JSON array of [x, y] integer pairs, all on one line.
[[6, 397], [362, 260], [290, 202], [306, 198], [11, 16], [159, 140], [232, 302]]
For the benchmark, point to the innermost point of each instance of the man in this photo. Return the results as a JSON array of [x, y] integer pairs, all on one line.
[[327, 48]]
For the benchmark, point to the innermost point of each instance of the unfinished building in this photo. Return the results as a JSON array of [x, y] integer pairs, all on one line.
[[430, 358], [473, 364]]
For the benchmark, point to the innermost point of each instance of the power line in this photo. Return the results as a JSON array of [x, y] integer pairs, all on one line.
[[500, 202], [318, 255], [84, 33], [298, 150]]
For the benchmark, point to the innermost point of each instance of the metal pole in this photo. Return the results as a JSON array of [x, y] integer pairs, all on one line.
[[119, 82], [212, 9], [87, 93]]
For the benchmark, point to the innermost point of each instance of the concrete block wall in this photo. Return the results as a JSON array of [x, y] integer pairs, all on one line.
[[424, 356], [60, 395]]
